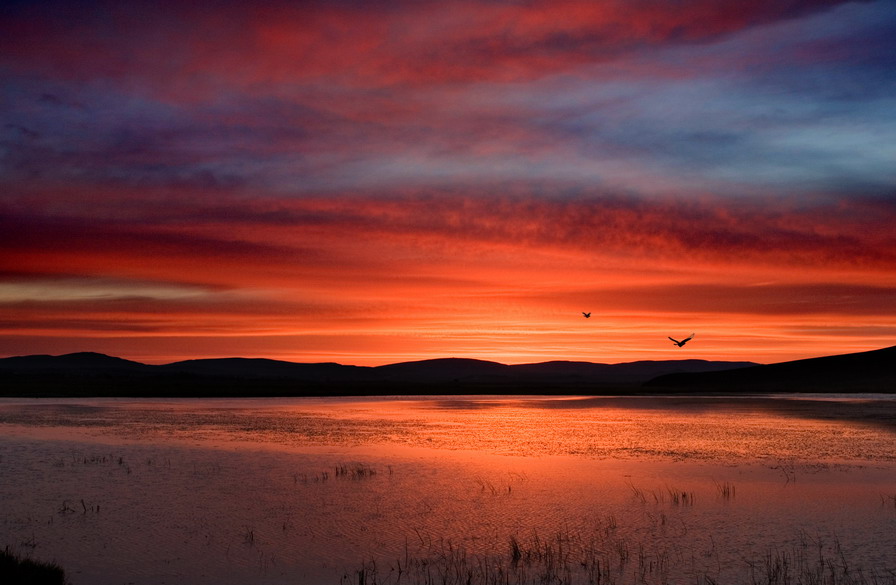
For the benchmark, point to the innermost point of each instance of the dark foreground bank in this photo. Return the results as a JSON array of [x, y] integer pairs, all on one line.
[[16, 570]]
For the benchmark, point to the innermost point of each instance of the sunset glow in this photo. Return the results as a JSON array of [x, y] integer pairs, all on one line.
[[373, 182]]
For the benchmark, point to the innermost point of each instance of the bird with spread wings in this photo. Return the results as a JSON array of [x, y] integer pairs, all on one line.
[[683, 341]]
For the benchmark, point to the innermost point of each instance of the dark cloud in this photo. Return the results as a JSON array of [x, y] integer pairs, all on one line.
[[133, 248], [422, 40], [773, 231]]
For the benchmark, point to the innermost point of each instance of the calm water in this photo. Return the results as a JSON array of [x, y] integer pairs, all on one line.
[[618, 490]]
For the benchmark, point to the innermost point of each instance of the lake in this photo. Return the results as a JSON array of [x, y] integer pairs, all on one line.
[[453, 489]]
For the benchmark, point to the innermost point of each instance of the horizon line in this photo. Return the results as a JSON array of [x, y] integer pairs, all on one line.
[[421, 360]]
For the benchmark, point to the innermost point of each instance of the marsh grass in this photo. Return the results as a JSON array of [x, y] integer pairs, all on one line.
[[79, 459], [597, 558], [355, 471], [680, 497], [640, 495], [788, 468], [565, 557], [725, 490], [812, 562], [350, 471], [304, 478], [674, 496], [486, 486]]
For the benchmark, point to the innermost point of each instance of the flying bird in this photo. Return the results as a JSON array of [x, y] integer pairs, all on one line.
[[587, 315], [683, 341]]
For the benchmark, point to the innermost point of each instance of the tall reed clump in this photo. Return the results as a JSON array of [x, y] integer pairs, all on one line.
[[15, 570], [813, 564], [567, 558], [562, 558]]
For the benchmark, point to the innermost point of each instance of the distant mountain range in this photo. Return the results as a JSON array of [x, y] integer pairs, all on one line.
[[94, 374]]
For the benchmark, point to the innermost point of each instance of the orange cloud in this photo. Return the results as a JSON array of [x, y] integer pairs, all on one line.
[[502, 277]]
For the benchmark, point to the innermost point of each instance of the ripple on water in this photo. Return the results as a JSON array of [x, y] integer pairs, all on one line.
[[247, 491]]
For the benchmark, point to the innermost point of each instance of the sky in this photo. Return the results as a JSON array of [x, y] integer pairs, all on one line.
[[371, 181]]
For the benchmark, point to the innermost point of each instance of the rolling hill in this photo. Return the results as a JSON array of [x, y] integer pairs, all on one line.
[[869, 371], [93, 374]]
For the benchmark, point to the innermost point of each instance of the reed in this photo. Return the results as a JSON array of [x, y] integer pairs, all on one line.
[[638, 493], [570, 558], [486, 486], [888, 501], [248, 536], [350, 471], [797, 565], [725, 490], [515, 550], [788, 469], [680, 497], [355, 471]]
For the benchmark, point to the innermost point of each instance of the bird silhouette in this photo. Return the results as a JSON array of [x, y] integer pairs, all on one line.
[[587, 315], [683, 341]]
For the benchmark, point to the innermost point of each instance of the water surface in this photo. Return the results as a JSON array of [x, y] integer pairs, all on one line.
[[314, 490]]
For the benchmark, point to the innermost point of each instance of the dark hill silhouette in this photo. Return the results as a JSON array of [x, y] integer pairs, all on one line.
[[91, 374], [869, 371], [94, 374], [442, 370], [86, 361], [629, 373], [259, 368], [565, 374]]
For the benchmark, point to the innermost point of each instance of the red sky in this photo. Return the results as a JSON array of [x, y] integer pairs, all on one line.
[[369, 182]]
